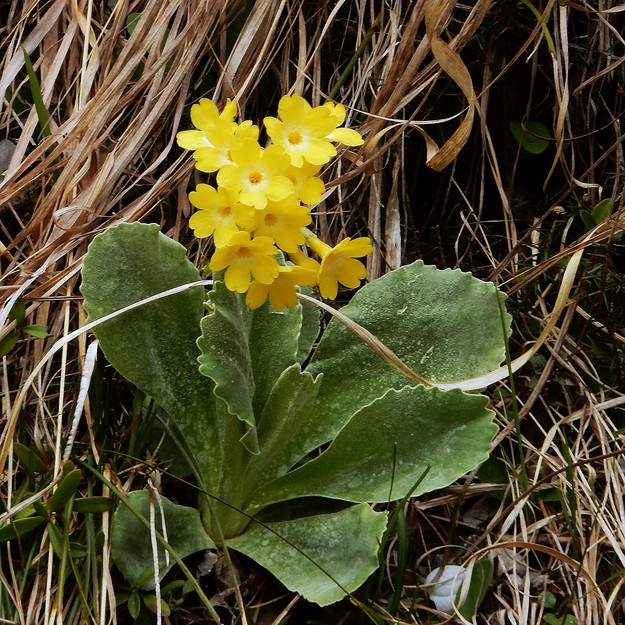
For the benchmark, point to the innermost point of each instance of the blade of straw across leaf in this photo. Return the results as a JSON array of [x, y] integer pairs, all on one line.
[[17, 406], [372, 341], [484, 380], [467, 385]]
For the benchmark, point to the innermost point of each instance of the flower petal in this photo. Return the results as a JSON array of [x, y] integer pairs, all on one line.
[[320, 122], [202, 224], [265, 269], [237, 278], [204, 114], [193, 139], [310, 190], [230, 110], [278, 188], [346, 136], [319, 152], [256, 294], [328, 286], [292, 108]]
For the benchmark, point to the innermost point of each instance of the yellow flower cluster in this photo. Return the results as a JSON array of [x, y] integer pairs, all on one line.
[[261, 201]]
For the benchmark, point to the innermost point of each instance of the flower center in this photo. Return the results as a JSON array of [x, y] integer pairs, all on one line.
[[224, 211], [244, 252], [271, 219], [295, 138], [255, 177]]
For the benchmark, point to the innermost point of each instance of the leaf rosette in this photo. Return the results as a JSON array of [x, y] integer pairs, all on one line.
[[251, 416]]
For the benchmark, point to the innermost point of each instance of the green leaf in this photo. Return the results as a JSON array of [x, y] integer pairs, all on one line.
[[65, 490], [29, 458], [601, 211], [154, 346], [18, 313], [533, 138], [481, 577], [493, 471], [41, 509], [311, 326], [588, 219], [56, 539], [94, 505], [132, 20], [172, 586], [288, 407], [39, 332], [444, 324], [19, 527], [150, 603], [26, 512], [244, 352], [77, 550], [548, 599], [35, 90], [552, 619], [8, 343], [134, 605], [324, 556], [67, 467], [131, 547], [393, 442]]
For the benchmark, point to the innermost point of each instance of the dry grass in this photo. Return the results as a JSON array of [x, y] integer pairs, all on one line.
[[115, 101]]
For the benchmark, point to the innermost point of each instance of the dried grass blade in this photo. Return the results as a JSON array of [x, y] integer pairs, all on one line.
[[451, 63]]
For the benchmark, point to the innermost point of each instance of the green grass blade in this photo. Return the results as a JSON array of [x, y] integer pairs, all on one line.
[[35, 90]]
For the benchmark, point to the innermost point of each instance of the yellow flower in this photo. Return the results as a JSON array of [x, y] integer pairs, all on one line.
[[306, 268], [203, 116], [346, 136], [257, 174], [244, 257], [215, 134], [308, 188], [222, 136], [339, 264], [281, 291], [220, 213], [301, 131], [282, 221], [306, 133]]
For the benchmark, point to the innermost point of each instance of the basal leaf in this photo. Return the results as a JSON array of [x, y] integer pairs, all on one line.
[[323, 556], [131, 546], [65, 490], [19, 527], [416, 433], [481, 578], [311, 325], [289, 406], [444, 324], [244, 352], [601, 210], [154, 346], [533, 136]]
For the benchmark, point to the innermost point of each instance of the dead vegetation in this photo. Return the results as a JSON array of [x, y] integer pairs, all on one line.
[[435, 86]]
